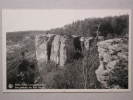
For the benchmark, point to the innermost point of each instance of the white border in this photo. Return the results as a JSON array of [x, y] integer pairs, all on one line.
[[64, 90]]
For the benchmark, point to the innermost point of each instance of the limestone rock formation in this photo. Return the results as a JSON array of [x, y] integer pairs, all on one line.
[[66, 50], [43, 48], [113, 68], [87, 42], [60, 49], [55, 49]]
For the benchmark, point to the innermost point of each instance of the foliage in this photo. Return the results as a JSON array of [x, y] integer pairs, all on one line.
[[72, 75], [15, 47], [52, 76], [113, 26], [119, 76], [109, 27]]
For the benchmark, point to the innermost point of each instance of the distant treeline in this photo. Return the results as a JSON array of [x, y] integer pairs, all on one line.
[[109, 27]]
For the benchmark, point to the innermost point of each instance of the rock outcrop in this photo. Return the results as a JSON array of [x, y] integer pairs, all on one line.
[[87, 42], [55, 49], [113, 68], [60, 49], [66, 50], [43, 48]]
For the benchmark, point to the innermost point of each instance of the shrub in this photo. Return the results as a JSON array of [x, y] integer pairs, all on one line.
[[119, 76]]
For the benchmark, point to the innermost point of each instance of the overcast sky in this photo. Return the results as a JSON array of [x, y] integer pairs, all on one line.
[[21, 20]]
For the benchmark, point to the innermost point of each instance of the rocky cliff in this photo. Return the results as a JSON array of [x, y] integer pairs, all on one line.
[[43, 48], [113, 69], [60, 48]]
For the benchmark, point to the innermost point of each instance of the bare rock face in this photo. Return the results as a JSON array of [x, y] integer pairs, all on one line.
[[62, 47], [66, 50], [55, 49], [113, 69], [87, 42], [43, 48]]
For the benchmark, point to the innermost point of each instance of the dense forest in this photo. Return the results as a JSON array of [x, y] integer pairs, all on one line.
[[108, 27]]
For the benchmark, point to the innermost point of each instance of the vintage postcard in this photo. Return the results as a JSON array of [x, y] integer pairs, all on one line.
[[62, 50]]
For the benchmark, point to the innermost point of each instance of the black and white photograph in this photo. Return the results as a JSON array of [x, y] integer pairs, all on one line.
[[59, 50]]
